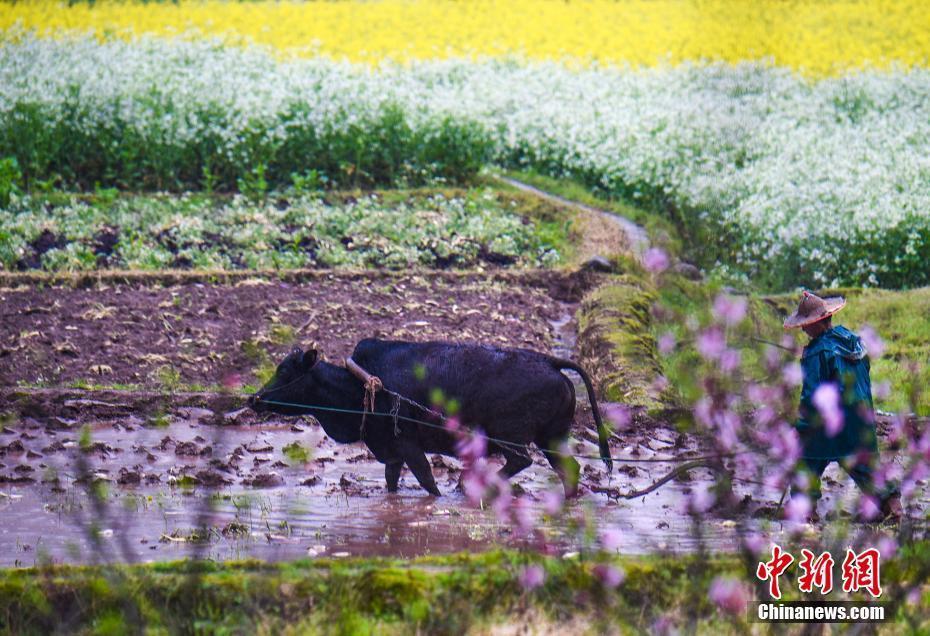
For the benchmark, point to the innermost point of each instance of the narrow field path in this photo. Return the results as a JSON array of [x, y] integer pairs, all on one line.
[[636, 235]]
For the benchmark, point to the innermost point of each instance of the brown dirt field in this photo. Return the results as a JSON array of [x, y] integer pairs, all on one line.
[[192, 332]]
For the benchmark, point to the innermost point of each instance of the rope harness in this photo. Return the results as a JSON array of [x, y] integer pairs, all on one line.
[[373, 385]]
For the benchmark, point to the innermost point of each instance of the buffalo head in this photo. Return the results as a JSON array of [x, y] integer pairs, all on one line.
[[288, 386]]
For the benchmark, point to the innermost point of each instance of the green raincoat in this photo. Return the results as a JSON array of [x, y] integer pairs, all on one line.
[[837, 356]]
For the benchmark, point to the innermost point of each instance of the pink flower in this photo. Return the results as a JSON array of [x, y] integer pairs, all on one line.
[[827, 400], [868, 507], [729, 595], [882, 390], [880, 476], [501, 505], [532, 577], [452, 424], [619, 415], [898, 428], [553, 501], [609, 575], [773, 358], [728, 423], [764, 415], [798, 509], [666, 343], [774, 481], [472, 447], [729, 360], [908, 487], [659, 385], [919, 472], [801, 480], [792, 374], [611, 538], [754, 543], [474, 486], [656, 260], [524, 515], [887, 547], [758, 393], [664, 626], [701, 499], [730, 310], [703, 411], [783, 442], [893, 472], [746, 463], [873, 343], [711, 343]]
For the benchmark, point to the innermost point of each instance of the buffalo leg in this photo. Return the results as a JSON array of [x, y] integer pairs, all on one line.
[[392, 475], [568, 470], [517, 460], [416, 460]]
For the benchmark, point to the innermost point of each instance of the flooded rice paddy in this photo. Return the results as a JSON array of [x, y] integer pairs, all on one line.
[[152, 472]]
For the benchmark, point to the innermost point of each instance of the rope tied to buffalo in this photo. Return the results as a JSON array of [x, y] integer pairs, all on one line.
[[373, 384]]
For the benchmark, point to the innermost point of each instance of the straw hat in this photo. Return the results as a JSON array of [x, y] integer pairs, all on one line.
[[813, 308]]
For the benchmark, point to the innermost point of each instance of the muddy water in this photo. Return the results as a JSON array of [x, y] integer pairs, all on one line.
[[343, 508], [277, 507], [180, 485]]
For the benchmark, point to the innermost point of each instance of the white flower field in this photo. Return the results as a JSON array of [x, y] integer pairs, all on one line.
[[779, 178]]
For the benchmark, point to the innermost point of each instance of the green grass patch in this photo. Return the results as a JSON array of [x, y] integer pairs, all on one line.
[[452, 594], [297, 453]]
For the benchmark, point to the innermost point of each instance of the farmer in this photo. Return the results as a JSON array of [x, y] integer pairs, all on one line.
[[835, 362]]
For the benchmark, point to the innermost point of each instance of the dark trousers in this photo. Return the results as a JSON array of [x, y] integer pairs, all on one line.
[[860, 471]]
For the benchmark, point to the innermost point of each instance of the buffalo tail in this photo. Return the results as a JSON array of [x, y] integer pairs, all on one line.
[[602, 433]]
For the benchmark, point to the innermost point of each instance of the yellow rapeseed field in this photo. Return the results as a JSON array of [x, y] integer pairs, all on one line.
[[817, 38]]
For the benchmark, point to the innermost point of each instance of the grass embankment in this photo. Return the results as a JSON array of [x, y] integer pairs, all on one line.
[[455, 594], [621, 322]]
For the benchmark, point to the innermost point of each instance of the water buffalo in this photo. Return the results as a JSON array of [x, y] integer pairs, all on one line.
[[514, 395]]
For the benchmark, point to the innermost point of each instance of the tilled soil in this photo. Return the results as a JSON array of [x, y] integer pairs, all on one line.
[[198, 333]]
